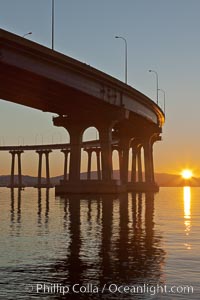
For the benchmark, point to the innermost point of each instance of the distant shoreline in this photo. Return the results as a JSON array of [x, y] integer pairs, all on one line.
[[162, 179]]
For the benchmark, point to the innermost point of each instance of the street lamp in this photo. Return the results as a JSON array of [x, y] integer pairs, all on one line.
[[42, 138], [60, 137], [2, 141], [20, 140], [161, 90], [126, 67], [26, 34], [36, 136], [156, 83], [52, 24]]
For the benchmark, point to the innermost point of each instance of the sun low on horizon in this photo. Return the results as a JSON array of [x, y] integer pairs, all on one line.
[[187, 174]]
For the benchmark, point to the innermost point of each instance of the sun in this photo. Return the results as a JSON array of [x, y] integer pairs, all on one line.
[[186, 174]]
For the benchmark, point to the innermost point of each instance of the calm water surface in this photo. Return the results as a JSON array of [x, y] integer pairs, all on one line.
[[96, 242]]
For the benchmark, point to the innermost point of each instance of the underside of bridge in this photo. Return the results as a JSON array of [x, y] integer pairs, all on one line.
[[23, 87], [118, 132], [82, 97]]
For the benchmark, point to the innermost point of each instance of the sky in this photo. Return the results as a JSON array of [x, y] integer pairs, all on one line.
[[161, 35]]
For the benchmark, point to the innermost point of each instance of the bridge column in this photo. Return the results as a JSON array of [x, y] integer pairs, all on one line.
[[98, 151], [139, 163], [66, 154], [120, 162], [12, 181], [47, 167], [105, 134], [46, 153], [19, 168], [149, 144], [40, 153], [148, 160], [124, 158], [152, 162], [155, 137], [12, 168], [75, 156], [76, 128], [133, 165], [89, 152]]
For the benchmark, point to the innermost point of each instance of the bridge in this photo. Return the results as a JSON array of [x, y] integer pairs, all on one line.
[[81, 96], [89, 147]]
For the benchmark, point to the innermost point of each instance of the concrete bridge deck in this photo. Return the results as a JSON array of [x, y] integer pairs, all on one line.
[[88, 144], [53, 82]]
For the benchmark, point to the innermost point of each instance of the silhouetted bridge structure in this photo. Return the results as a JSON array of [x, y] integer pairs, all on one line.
[[16, 151], [83, 97]]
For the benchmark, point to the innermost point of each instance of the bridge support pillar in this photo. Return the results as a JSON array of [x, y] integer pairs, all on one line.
[[39, 168], [12, 169], [149, 150], [147, 183], [152, 162], [139, 165], [75, 133], [133, 165], [47, 167], [106, 152], [66, 154], [19, 168], [98, 151], [124, 159], [12, 181], [76, 127], [148, 161], [40, 184], [89, 153]]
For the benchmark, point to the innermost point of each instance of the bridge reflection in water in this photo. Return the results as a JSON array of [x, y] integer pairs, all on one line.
[[112, 240], [102, 239]]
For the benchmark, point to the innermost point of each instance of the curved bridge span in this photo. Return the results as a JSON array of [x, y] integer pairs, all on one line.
[[82, 96]]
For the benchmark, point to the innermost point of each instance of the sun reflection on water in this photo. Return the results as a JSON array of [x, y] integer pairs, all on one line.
[[187, 200], [187, 212]]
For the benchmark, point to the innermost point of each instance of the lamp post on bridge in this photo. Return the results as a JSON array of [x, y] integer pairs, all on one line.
[[28, 33], [36, 136], [161, 90], [42, 138], [60, 138], [152, 71], [126, 56], [52, 25], [2, 141], [21, 140]]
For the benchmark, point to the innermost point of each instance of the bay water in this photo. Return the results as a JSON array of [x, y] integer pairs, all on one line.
[[129, 246]]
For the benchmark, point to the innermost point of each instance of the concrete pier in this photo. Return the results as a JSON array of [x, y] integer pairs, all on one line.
[[18, 183], [126, 139], [40, 184]]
